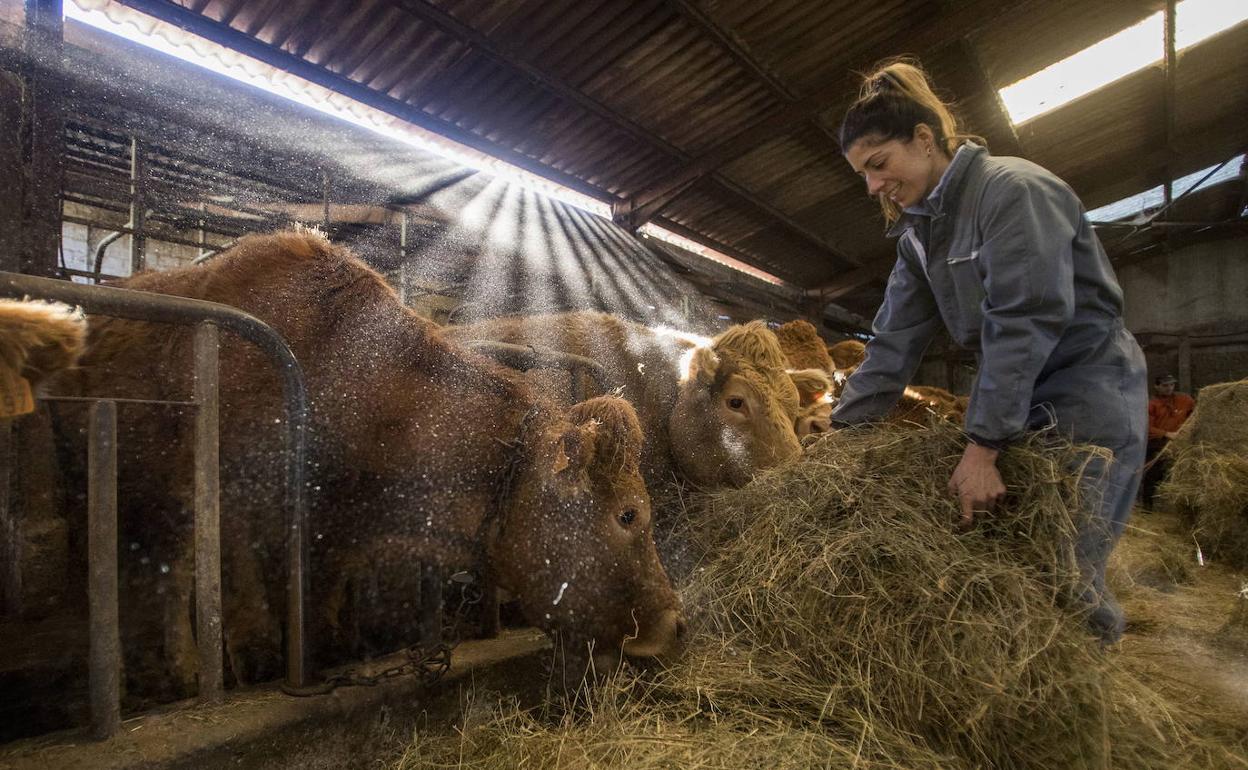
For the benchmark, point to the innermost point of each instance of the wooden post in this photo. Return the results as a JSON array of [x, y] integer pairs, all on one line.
[[45, 109], [207, 513], [105, 655], [1185, 364]]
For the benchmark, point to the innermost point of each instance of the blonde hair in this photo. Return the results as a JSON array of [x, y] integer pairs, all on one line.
[[895, 97]]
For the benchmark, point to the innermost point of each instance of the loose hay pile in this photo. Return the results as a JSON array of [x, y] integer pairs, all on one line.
[[841, 622], [1208, 478]]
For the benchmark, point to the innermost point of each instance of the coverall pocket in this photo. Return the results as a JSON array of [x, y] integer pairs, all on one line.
[[1090, 404]]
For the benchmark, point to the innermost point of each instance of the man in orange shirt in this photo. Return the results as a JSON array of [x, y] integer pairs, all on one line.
[[1167, 411]]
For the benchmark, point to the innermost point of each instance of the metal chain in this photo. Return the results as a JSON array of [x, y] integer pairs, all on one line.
[[431, 665]]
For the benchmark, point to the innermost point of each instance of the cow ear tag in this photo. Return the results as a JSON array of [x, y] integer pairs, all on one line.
[[561, 459], [16, 397]]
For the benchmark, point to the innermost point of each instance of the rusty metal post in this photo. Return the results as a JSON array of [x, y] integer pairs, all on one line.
[[430, 604], [405, 277], [10, 531], [138, 206], [105, 655], [1169, 100], [208, 513], [45, 110], [13, 171]]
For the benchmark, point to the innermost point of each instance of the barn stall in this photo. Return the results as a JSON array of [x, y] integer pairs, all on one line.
[[500, 159]]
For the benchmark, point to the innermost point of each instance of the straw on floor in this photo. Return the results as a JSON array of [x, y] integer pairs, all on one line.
[[841, 621]]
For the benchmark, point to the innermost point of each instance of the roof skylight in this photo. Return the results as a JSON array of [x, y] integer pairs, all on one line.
[[120, 20], [1151, 199], [1117, 56]]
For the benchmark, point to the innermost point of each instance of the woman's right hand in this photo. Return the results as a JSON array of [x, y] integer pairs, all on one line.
[[976, 483]]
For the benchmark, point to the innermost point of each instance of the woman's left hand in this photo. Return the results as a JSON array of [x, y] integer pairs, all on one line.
[[976, 483]]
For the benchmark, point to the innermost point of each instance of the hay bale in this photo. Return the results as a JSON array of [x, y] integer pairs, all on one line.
[[841, 621], [1234, 635], [1208, 476], [1220, 420], [1147, 558]]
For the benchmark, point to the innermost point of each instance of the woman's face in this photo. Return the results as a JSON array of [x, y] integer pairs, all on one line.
[[903, 172]]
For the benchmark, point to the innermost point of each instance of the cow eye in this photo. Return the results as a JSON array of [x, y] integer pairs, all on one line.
[[736, 402], [628, 517]]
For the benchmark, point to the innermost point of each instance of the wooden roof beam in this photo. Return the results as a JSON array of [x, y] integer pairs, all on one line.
[[937, 33], [734, 46]]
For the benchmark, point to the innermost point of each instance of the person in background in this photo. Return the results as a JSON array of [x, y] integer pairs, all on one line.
[[1167, 411], [1001, 253]]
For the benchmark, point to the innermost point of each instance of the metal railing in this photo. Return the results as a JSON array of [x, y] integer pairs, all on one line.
[[207, 317]]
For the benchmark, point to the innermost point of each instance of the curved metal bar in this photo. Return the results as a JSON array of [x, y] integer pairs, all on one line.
[[105, 242], [164, 308], [526, 357]]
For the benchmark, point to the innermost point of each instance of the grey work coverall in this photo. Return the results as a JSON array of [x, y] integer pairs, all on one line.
[[1003, 254]]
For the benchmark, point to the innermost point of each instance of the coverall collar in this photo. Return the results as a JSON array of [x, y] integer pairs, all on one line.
[[945, 195]]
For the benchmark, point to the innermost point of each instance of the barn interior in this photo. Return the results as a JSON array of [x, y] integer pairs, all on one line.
[[670, 162]]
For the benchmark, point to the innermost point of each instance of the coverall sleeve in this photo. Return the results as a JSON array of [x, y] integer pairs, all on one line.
[[1028, 225], [903, 327]]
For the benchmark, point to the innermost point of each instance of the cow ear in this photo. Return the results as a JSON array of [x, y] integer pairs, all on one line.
[[811, 384], [575, 449], [703, 366]]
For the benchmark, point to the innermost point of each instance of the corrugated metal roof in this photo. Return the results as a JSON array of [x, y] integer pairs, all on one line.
[[718, 115]]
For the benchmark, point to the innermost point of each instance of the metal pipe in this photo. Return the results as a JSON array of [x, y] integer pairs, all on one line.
[[105, 650], [144, 306], [129, 230], [526, 357], [105, 242], [208, 512]]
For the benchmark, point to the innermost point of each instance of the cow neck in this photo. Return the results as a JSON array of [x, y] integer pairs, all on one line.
[[506, 484]]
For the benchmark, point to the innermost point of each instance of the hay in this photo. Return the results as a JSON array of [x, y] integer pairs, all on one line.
[[841, 621], [1150, 559], [1208, 476], [1234, 635]]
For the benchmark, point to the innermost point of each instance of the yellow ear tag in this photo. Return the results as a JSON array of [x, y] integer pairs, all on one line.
[[561, 460], [15, 396]]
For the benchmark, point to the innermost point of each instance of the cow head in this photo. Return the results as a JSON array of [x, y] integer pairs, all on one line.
[[735, 411], [575, 544]]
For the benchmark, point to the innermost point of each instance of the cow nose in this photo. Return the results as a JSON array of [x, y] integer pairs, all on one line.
[[810, 425], [662, 637]]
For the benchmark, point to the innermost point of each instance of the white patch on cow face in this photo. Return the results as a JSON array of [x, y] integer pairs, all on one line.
[[697, 340], [686, 364], [732, 442]]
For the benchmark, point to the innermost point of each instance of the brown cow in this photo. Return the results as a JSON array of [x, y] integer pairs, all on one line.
[[847, 354], [37, 339], [413, 441], [803, 346], [915, 403], [713, 411]]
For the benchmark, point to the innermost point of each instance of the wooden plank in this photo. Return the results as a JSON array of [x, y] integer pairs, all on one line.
[[45, 42], [208, 626]]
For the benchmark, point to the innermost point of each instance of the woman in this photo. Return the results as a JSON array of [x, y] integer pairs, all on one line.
[[1000, 251]]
